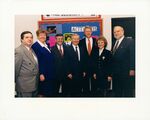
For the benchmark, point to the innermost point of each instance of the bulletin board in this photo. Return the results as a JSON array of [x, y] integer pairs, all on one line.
[[69, 26]]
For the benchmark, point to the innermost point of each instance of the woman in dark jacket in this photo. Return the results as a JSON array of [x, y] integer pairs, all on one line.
[[102, 69], [46, 65]]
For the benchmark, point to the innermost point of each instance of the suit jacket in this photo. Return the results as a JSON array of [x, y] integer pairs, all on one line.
[[26, 70], [46, 61], [103, 63], [60, 62], [88, 58], [124, 57], [75, 67]]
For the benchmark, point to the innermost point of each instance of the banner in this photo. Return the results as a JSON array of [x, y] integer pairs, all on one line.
[[69, 28]]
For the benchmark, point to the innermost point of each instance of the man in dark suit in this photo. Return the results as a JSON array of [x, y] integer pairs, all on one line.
[[75, 68], [59, 52], [26, 67], [123, 64], [89, 46], [102, 74]]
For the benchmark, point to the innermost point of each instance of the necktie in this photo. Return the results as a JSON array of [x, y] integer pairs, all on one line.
[[60, 50], [89, 47], [77, 53], [115, 47]]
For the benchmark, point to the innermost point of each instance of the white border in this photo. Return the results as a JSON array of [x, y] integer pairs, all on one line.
[[73, 108]]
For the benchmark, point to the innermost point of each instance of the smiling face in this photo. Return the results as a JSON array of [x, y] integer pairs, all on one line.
[[75, 39], [59, 40], [27, 39], [88, 32], [101, 44], [42, 37], [118, 32]]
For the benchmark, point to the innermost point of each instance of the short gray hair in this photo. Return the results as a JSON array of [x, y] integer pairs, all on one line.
[[75, 35]]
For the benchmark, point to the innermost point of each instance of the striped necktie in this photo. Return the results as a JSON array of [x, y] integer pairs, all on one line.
[[115, 47]]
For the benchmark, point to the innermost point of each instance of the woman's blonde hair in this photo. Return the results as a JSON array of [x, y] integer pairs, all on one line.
[[102, 38]]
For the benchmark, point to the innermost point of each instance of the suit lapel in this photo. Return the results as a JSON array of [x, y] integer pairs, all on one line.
[[85, 44], [57, 51], [36, 62], [73, 52], [103, 55], [103, 52], [121, 45], [72, 49], [93, 43], [28, 54]]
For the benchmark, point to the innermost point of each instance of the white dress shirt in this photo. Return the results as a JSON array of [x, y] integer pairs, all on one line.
[[100, 51]]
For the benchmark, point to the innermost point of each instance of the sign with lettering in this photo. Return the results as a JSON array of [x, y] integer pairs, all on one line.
[[70, 26]]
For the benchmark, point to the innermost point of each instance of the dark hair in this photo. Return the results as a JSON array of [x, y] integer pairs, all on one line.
[[23, 33], [41, 31], [59, 34], [102, 38]]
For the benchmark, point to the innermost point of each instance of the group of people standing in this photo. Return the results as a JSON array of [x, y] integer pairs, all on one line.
[[83, 69]]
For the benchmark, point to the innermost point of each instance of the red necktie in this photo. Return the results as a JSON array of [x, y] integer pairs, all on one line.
[[89, 47], [60, 50]]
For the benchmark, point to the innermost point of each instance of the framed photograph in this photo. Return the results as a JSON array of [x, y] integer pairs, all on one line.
[[51, 29]]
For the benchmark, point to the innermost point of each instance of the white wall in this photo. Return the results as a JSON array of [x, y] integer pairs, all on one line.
[[30, 22], [23, 23]]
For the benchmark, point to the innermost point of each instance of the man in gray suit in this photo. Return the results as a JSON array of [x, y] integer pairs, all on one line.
[[26, 67]]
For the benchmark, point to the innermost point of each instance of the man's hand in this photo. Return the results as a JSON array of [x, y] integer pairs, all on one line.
[[109, 78], [94, 76], [84, 74], [42, 78], [132, 73], [70, 76]]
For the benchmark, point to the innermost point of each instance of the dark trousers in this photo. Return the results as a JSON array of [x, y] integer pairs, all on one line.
[[123, 86], [100, 87], [46, 88], [72, 87], [59, 84], [86, 85]]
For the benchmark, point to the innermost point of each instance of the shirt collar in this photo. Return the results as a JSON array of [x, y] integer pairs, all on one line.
[[89, 38], [43, 45], [58, 46], [121, 39], [27, 47], [101, 49], [75, 46]]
